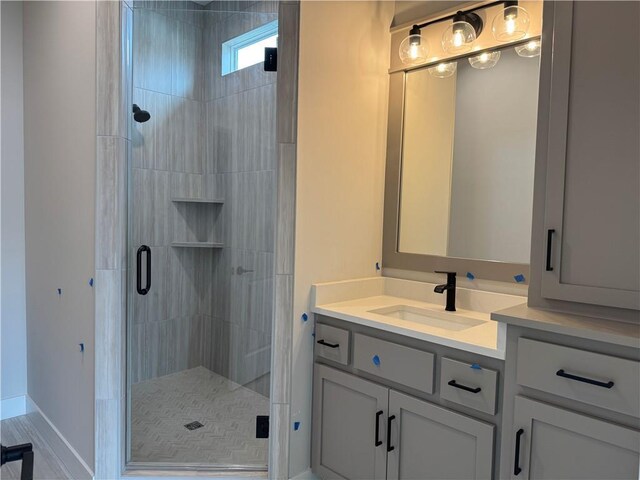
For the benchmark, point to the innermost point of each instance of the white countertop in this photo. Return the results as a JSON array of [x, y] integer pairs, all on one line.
[[352, 301]]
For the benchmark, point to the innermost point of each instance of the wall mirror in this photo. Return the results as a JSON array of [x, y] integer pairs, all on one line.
[[461, 161]]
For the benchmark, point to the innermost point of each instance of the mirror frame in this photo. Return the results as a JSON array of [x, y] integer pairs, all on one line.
[[391, 256]]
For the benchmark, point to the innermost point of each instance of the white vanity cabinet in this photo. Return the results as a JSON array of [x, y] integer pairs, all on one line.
[[427, 441], [588, 139], [571, 407], [402, 409], [553, 443]]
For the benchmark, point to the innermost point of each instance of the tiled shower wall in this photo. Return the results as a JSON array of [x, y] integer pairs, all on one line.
[[241, 118], [213, 137], [167, 161]]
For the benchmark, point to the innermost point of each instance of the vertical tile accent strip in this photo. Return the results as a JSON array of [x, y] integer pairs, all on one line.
[[279, 442], [113, 100], [288, 28], [286, 135]]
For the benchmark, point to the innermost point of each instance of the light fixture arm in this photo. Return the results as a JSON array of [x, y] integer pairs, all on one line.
[[415, 30]]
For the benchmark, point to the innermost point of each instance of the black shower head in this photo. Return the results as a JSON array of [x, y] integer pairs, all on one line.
[[140, 115]]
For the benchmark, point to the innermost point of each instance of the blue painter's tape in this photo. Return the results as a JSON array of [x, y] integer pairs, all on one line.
[[91, 282], [519, 278], [376, 360], [377, 266], [475, 366], [59, 291], [296, 426], [471, 276], [81, 347], [305, 317]]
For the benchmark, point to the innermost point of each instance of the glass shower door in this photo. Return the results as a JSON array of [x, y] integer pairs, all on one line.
[[202, 184]]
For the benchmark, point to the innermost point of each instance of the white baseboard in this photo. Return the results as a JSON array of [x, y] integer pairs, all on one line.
[[13, 407], [62, 448]]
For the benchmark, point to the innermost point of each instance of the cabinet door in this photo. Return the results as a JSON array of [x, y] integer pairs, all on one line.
[[555, 443], [347, 411], [431, 442], [592, 206]]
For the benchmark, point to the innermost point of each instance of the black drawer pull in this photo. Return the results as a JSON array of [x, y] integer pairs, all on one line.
[[390, 448], [378, 441], [562, 373], [453, 383], [139, 289], [516, 462], [550, 233], [330, 345]]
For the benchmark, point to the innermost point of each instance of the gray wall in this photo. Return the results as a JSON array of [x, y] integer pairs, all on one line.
[[14, 339], [494, 157], [60, 146], [241, 128], [167, 161]]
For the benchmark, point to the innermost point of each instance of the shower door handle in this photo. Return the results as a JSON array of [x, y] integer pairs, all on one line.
[[141, 250]]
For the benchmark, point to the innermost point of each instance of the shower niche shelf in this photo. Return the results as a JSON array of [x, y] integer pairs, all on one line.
[[216, 201], [212, 245]]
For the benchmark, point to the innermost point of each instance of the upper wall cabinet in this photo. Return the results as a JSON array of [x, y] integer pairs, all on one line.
[[592, 201]]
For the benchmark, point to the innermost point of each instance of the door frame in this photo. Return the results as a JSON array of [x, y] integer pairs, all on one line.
[[114, 24]]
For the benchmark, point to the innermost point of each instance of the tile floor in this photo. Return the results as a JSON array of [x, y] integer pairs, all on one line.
[[160, 409]]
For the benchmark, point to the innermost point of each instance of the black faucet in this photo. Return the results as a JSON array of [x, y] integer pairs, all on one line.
[[450, 287]]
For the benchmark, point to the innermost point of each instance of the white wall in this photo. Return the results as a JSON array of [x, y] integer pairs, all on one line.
[[342, 117], [60, 159], [13, 319]]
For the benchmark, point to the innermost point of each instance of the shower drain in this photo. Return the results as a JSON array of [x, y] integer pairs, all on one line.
[[193, 425]]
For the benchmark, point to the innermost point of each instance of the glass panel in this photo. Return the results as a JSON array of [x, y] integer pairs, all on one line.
[[202, 188]]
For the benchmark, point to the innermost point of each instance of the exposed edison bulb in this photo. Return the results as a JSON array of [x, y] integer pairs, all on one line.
[[443, 70], [485, 60], [510, 24], [458, 37], [529, 49], [413, 50]]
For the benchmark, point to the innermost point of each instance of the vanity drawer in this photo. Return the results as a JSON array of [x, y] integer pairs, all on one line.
[[468, 384], [594, 378], [404, 365], [332, 343]]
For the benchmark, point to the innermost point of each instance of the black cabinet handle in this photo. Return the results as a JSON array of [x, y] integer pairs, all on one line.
[[141, 250], [550, 233], [390, 448], [516, 462], [562, 373], [453, 383], [330, 345], [378, 441]]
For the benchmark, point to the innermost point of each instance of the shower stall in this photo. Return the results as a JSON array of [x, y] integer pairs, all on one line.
[[201, 234]]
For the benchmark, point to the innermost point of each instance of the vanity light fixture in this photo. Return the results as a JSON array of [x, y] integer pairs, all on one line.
[[443, 70], [529, 49], [512, 23], [414, 48], [464, 30], [485, 60]]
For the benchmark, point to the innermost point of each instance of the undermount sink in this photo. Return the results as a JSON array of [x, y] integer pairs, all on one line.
[[435, 318]]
